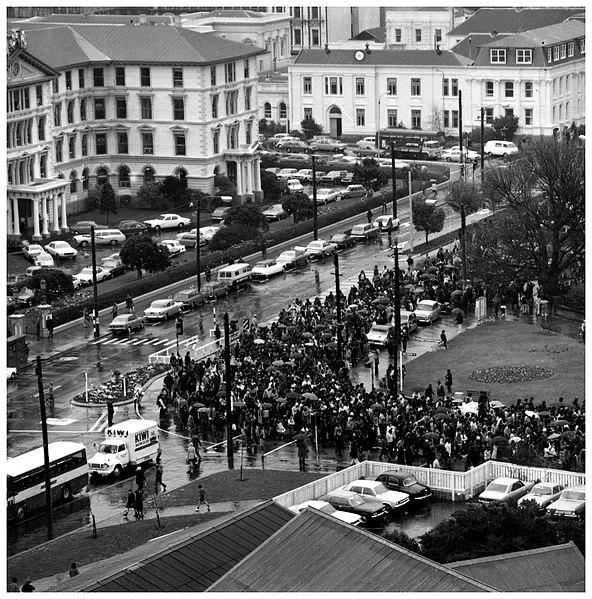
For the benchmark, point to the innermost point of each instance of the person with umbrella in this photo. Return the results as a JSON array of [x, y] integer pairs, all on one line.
[[300, 439]]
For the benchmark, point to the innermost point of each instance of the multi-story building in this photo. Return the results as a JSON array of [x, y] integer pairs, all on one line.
[[418, 28], [133, 104]]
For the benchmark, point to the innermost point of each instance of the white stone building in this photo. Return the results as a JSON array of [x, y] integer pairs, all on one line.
[[421, 28]]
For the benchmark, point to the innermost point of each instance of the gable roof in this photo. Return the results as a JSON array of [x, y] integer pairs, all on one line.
[[511, 20], [379, 57], [190, 563], [470, 45], [560, 568], [552, 34], [315, 552], [374, 34]]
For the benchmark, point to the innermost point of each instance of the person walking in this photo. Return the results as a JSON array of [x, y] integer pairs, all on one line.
[[443, 339], [50, 396], [49, 326], [197, 444], [448, 381], [114, 310], [130, 502], [201, 498], [140, 478], [139, 505], [27, 587], [129, 303], [369, 216], [301, 445], [158, 479], [110, 412], [73, 570], [191, 458]]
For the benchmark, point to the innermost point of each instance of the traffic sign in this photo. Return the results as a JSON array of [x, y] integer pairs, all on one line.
[[409, 354]]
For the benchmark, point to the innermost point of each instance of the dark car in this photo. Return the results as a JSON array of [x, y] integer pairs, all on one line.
[[131, 227], [84, 226], [342, 240], [405, 483], [213, 290], [372, 514], [14, 245]]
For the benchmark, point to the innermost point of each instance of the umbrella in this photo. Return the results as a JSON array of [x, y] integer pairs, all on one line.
[[496, 404], [238, 404], [332, 345], [200, 405], [258, 341], [544, 413], [432, 436], [441, 416], [553, 436], [272, 368], [456, 311], [559, 423], [432, 270], [290, 363], [382, 300], [442, 409], [282, 326], [296, 355], [570, 435], [433, 278], [203, 410], [499, 440], [419, 290], [531, 413], [277, 363], [307, 335], [424, 277], [470, 408], [326, 336], [281, 399], [410, 286], [377, 406], [310, 396], [266, 405], [456, 293], [353, 306], [221, 393]]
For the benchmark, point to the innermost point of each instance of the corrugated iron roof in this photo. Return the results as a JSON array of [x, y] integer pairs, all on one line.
[[379, 57], [376, 34], [232, 14], [560, 568], [103, 19], [552, 34], [315, 552]]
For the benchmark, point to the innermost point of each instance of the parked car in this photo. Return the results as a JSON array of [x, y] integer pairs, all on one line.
[[131, 227], [571, 503], [190, 298], [84, 226], [38, 270], [371, 513], [274, 170], [304, 175], [190, 239], [265, 269], [428, 311], [293, 145], [174, 246], [85, 276], [213, 290], [44, 259], [104, 237], [543, 494], [405, 482], [126, 323], [354, 191], [364, 232], [375, 491], [335, 177], [31, 250], [368, 143], [342, 240], [292, 259], [12, 281], [61, 250], [378, 334], [325, 195], [219, 214], [319, 249], [324, 506], [163, 309], [116, 267], [326, 144], [400, 165], [167, 221], [275, 212], [370, 153], [286, 173], [453, 155], [206, 233], [15, 245], [496, 147], [111, 257], [384, 221], [294, 185], [505, 489], [409, 320]]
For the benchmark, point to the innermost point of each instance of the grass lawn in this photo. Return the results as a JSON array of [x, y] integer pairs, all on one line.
[[505, 344]]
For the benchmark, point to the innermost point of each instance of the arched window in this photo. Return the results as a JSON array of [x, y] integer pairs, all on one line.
[[149, 175], [73, 182], [335, 110], [182, 174], [102, 176], [283, 111], [85, 178], [124, 176], [267, 110]]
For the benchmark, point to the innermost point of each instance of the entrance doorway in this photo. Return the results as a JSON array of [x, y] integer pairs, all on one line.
[[335, 122]]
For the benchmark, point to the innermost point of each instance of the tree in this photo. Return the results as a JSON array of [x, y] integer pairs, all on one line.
[[436, 120], [150, 196], [310, 128], [102, 198], [505, 126], [246, 214], [403, 539], [464, 193], [428, 218], [143, 253], [174, 189], [370, 174], [271, 185], [57, 283], [224, 185], [233, 235], [298, 206], [540, 233]]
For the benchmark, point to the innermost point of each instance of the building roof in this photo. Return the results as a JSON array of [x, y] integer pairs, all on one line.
[[315, 552], [379, 58], [512, 20], [469, 46], [374, 34], [80, 44], [88, 19], [560, 568], [547, 36], [191, 563], [234, 14]]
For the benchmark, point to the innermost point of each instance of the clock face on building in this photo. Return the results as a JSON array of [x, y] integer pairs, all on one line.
[[359, 55], [16, 68]]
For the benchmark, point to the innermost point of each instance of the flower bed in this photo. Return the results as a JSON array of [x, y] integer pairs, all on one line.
[[511, 374]]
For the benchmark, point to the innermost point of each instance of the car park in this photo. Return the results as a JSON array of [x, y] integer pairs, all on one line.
[[84, 226], [453, 155], [292, 259], [286, 173], [104, 237], [167, 221], [275, 212], [364, 232], [163, 309], [409, 320], [190, 298], [378, 334], [384, 222], [173, 246], [115, 267], [319, 249], [85, 276], [571, 503], [335, 177], [190, 239], [214, 290], [327, 508], [126, 323], [44, 259], [354, 191], [61, 250], [131, 227], [291, 145], [428, 311], [304, 175], [368, 143], [342, 240], [543, 494], [505, 489], [220, 213], [405, 482], [326, 195], [371, 513], [374, 491], [265, 269], [294, 185], [326, 144], [33, 249], [496, 147]]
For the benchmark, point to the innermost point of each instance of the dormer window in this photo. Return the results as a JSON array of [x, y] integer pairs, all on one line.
[[498, 56], [524, 56]]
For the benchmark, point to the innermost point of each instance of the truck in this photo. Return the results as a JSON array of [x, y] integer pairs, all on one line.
[[128, 443]]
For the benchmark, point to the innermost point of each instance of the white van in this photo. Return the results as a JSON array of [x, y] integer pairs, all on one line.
[[235, 275]]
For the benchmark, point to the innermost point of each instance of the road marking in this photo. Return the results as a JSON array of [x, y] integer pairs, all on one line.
[[156, 341], [68, 359], [56, 387], [163, 341], [98, 422], [140, 341], [60, 421]]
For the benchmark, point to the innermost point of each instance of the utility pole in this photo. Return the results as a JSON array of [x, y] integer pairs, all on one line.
[[338, 299], [394, 177], [97, 332], [47, 473], [197, 245], [397, 315], [460, 136], [482, 143], [463, 242], [228, 378], [410, 217], [314, 198]]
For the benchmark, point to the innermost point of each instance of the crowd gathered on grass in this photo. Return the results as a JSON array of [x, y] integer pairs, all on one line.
[[289, 382]]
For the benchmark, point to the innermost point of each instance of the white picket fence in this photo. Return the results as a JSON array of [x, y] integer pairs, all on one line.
[[191, 345]]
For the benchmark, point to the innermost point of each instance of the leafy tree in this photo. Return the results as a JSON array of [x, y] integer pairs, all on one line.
[[225, 185], [233, 235], [465, 193], [102, 198], [174, 189], [505, 126], [403, 539], [369, 174], [428, 218], [272, 186], [475, 137], [246, 214], [310, 128], [150, 196], [143, 253], [298, 206], [57, 283]]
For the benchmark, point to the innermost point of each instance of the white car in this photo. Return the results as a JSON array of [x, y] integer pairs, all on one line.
[[399, 164], [295, 185], [265, 269], [293, 258], [163, 309], [320, 248], [206, 233], [368, 143], [189, 239], [378, 334], [453, 155], [323, 506], [326, 195], [428, 311], [505, 489], [111, 258], [304, 174], [383, 222], [173, 246], [496, 147], [286, 173], [31, 250], [167, 221], [375, 492], [85, 276], [61, 250], [275, 212], [44, 259], [543, 494], [571, 503]]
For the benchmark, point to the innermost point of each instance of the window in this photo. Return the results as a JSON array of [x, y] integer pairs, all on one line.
[[567, 110], [120, 76], [145, 76], [283, 111], [415, 87], [455, 119], [57, 114], [314, 12], [397, 36], [247, 72], [445, 87], [438, 36], [334, 86], [149, 175], [454, 84], [549, 55], [146, 108], [213, 75], [315, 37], [101, 142], [84, 145], [524, 56], [297, 37], [562, 51], [72, 146], [308, 113], [528, 113], [121, 107], [360, 117], [56, 86], [99, 108], [178, 109], [73, 182], [147, 142], [216, 140], [583, 46], [215, 106], [124, 176], [391, 117], [508, 112], [391, 86], [98, 77], [68, 80], [497, 56], [85, 179], [232, 137], [489, 116], [43, 166], [248, 91], [509, 89], [248, 132], [360, 86], [231, 102], [81, 83], [297, 12], [59, 144], [41, 128], [307, 85], [416, 119], [555, 53], [180, 149], [267, 110], [418, 35], [39, 93], [528, 89], [122, 145], [83, 109], [230, 72], [70, 111], [446, 119], [177, 77]]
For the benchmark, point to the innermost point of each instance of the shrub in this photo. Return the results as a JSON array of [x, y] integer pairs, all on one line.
[[125, 201], [576, 297]]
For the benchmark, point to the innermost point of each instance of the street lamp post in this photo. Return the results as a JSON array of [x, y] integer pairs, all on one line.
[[338, 299], [386, 93], [482, 143], [394, 177], [314, 198], [198, 239], [94, 280]]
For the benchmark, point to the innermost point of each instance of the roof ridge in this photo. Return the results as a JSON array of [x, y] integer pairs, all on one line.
[[186, 42], [84, 44]]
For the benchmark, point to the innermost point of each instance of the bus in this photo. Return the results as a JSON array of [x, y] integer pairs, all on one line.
[[412, 143], [26, 477]]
